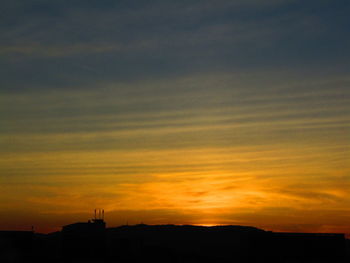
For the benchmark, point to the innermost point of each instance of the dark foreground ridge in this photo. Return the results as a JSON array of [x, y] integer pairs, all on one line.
[[93, 242]]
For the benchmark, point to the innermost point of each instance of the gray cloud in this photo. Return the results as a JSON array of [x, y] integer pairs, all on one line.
[[131, 91], [62, 46]]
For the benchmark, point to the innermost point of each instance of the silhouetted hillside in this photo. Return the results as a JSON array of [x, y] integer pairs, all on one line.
[[92, 242]]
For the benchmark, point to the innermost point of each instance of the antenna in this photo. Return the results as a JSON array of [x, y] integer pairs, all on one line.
[[99, 214]]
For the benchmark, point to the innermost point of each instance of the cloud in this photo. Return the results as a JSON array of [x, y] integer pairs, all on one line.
[[181, 111], [52, 45], [58, 51]]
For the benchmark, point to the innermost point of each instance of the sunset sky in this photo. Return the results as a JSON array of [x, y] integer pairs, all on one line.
[[184, 112]]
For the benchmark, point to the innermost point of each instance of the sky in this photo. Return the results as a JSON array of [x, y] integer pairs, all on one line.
[[175, 112]]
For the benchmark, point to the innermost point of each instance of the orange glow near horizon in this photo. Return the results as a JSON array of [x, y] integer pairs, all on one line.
[[274, 167], [215, 186]]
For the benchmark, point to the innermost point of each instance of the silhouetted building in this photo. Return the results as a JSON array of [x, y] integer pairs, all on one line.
[[84, 240]]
